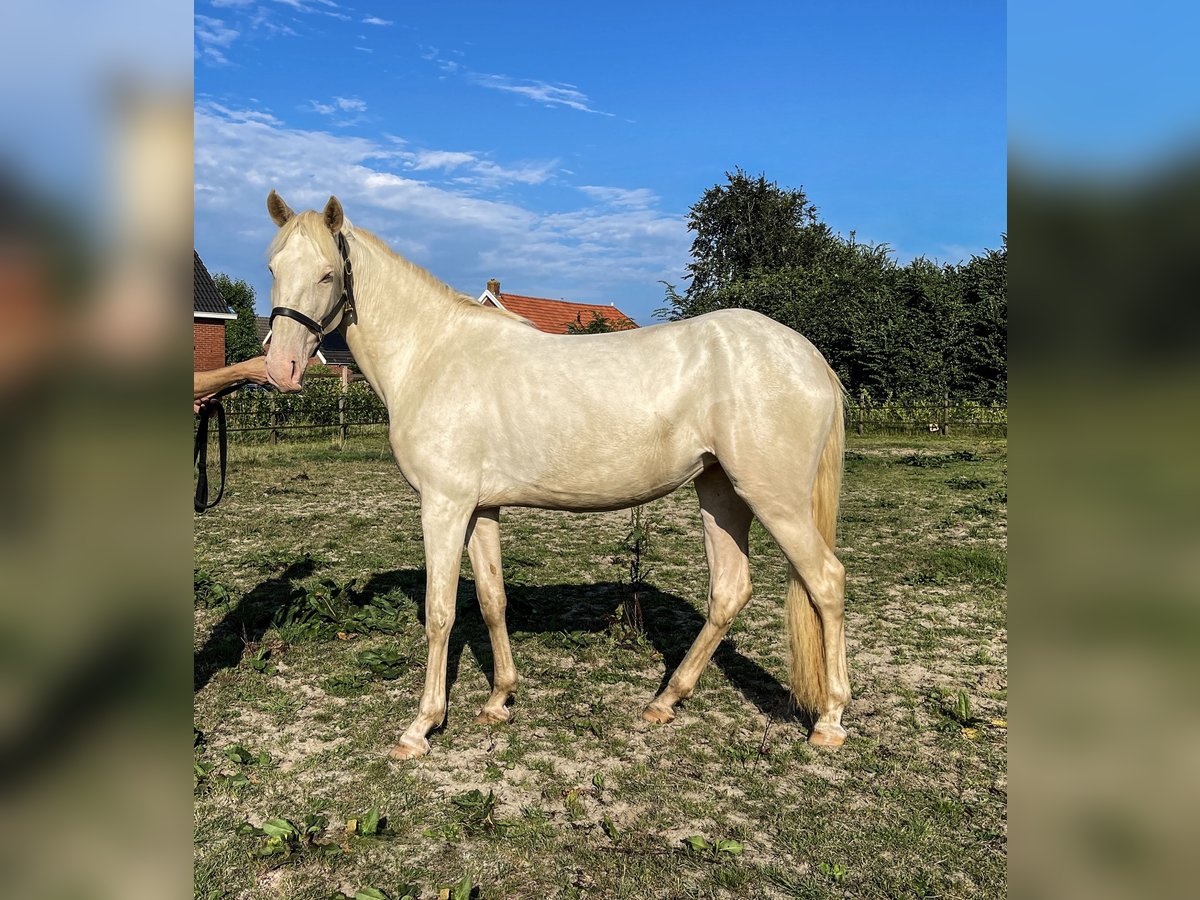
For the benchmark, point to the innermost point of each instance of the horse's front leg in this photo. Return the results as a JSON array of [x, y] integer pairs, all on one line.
[[483, 546], [444, 525]]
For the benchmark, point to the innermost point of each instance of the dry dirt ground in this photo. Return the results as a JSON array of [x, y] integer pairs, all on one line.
[[309, 658]]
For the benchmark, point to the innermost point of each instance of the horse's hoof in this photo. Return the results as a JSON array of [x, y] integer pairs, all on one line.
[[408, 751], [657, 715], [827, 736], [488, 717]]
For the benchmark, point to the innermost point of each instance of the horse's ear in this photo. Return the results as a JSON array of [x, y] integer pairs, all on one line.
[[333, 215], [280, 211]]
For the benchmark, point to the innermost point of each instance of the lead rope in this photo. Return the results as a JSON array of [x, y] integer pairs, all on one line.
[[200, 456]]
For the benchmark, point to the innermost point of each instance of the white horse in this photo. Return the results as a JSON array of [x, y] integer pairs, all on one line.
[[486, 411]]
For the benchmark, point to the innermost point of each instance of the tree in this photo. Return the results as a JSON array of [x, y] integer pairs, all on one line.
[[746, 227], [597, 325], [922, 330], [241, 336], [984, 286]]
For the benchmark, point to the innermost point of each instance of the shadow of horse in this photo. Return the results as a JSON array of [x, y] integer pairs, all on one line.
[[248, 621], [671, 624]]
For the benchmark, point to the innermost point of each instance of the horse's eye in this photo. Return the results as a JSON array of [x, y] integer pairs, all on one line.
[[328, 277]]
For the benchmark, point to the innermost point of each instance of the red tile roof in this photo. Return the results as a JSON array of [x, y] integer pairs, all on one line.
[[553, 316]]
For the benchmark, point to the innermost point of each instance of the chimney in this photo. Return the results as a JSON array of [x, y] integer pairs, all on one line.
[[493, 285]]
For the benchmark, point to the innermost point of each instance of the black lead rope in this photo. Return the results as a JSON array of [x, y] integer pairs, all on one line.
[[200, 457]]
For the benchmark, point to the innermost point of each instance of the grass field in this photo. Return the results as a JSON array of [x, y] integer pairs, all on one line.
[[310, 659]]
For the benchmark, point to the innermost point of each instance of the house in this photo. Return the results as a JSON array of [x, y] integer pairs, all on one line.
[[332, 351], [554, 316], [209, 315]]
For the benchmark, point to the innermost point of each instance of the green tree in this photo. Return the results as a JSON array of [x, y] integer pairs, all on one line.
[[746, 227], [984, 291], [241, 336], [921, 331], [596, 325]]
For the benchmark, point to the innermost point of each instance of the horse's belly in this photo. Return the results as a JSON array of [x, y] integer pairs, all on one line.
[[591, 482]]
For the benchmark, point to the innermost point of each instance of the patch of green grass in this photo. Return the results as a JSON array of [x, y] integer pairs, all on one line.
[[941, 565]]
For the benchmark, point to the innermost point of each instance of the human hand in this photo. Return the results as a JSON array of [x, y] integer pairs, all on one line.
[[256, 370]]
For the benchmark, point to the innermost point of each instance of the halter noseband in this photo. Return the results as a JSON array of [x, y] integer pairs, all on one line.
[[346, 301]]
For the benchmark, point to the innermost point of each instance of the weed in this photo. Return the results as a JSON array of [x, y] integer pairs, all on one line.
[[723, 848], [260, 661], [239, 754], [633, 551], [606, 824], [388, 664], [322, 610], [404, 892], [475, 811], [967, 483], [209, 592], [285, 840], [835, 872], [955, 714]]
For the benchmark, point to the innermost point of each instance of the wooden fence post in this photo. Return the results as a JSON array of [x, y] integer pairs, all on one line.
[[342, 405]]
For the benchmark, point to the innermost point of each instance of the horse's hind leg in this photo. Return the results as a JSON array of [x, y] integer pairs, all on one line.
[[483, 546], [819, 579], [726, 520]]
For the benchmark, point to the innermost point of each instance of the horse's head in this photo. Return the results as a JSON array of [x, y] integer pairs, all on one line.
[[307, 288]]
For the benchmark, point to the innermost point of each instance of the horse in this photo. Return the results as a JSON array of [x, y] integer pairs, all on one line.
[[485, 411]]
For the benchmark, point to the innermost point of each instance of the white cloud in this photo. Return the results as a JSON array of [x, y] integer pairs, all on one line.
[[340, 106], [214, 36], [543, 92], [375, 20], [638, 198], [464, 229], [440, 159]]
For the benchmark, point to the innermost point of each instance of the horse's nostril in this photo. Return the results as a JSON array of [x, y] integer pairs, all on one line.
[[293, 370]]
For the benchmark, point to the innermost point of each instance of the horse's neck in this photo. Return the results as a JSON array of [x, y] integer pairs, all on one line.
[[401, 318]]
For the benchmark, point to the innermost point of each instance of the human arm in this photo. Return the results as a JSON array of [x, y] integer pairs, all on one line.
[[208, 383]]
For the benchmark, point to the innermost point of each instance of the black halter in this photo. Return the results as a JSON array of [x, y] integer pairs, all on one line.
[[346, 301]]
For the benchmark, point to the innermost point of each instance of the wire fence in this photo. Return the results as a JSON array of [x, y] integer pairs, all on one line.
[[331, 408], [945, 417]]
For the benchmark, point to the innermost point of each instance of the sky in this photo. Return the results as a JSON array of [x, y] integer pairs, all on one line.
[[558, 147], [1103, 88]]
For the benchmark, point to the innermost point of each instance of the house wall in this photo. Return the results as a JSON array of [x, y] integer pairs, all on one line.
[[208, 344]]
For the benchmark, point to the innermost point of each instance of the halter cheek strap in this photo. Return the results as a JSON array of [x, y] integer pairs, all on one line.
[[345, 302]]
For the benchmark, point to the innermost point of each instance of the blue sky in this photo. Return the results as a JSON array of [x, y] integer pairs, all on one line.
[[558, 146], [1104, 87]]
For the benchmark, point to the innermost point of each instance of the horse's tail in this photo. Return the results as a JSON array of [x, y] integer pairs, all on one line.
[[805, 632]]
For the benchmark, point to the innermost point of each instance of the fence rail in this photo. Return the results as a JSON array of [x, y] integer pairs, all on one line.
[[340, 404], [937, 417]]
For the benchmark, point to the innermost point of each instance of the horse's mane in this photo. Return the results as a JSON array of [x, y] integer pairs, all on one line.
[[312, 225]]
